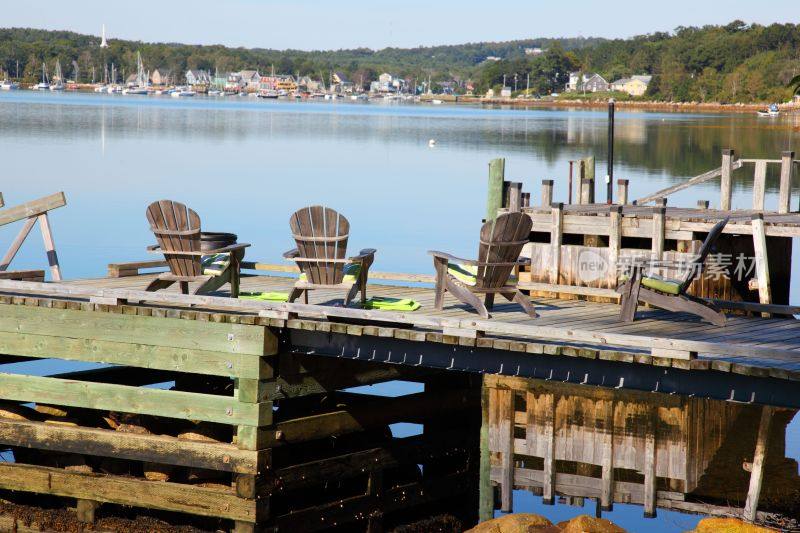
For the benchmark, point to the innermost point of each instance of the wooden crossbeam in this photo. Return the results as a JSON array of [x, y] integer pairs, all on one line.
[[34, 211]]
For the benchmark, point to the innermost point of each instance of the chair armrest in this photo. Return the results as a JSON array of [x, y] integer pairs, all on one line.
[[364, 254], [291, 254], [227, 249], [448, 257]]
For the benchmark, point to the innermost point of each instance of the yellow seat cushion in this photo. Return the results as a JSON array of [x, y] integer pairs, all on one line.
[[351, 272], [468, 274]]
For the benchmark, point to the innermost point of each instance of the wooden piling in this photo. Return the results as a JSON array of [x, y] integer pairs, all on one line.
[[787, 172], [549, 474], [622, 192], [547, 192], [726, 184], [494, 200], [762, 260], [659, 215], [614, 242], [556, 236], [514, 197], [759, 184]]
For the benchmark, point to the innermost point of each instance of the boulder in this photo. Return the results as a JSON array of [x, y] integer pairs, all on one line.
[[728, 525], [588, 524], [513, 523]]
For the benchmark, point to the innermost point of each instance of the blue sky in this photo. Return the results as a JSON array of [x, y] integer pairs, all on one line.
[[317, 24]]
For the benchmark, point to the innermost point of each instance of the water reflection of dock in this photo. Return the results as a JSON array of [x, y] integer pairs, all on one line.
[[614, 446]]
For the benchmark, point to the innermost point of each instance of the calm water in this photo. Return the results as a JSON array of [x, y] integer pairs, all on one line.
[[245, 165]]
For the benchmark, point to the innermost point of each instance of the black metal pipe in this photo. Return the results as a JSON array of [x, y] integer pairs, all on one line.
[[610, 173]]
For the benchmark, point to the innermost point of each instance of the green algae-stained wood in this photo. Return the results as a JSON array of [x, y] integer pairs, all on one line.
[[157, 331], [133, 446], [140, 400], [125, 491], [194, 361]]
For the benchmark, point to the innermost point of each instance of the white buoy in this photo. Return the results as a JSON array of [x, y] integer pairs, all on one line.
[[432, 143]]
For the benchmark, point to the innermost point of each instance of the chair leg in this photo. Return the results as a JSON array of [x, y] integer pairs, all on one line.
[[466, 296], [184, 287], [441, 282], [295, 294], [630, 299], [526, 304], [158, 284], [488, 300], [235, 267]]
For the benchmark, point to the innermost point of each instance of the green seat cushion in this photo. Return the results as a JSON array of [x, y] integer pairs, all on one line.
[[468, 274], [268, 296], [391, 304], [351, 272], [667, 286], [215, 264]]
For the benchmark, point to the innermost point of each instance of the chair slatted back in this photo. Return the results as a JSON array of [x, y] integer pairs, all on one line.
[[320, 233], [697, 265], [177, 229], [501, 242]]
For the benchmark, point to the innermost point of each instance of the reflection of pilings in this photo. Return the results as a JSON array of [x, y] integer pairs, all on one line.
[[584, 442]]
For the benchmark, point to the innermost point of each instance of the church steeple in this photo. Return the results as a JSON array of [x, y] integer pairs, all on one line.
[[103, 43]]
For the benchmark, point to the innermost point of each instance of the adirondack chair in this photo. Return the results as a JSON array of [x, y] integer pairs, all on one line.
[[501, 242], [321, 236], [670, 294], [177, 230]]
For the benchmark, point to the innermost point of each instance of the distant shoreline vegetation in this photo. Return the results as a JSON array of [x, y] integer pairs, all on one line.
[[734, 63]]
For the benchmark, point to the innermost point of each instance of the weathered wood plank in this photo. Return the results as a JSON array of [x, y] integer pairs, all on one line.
[[125, 491], [32, 208], [132, 446], [190, 334], [195, 361], [149, 401], [757, 470]]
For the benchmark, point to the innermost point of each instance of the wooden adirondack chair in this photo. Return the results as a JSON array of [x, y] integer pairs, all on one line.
[[177, 230], [501, 243], [670, 294], [321, 236]]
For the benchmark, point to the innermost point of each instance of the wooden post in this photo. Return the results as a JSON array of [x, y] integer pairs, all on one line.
[[650, 466], [547, 192], [485, 489], [762, 260], [494, 201], [787, 170], [589, 174], [526, 199], [549, 474], [725, 186], [759, 184], [622, 192], [659, 214], [50, 247], [661, 202], [514, 197], [375, 489], [556, 235], [614, 243], [505, 408], [702, 204], [757, 470]]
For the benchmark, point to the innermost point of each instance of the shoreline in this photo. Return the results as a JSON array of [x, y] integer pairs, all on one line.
[[714, 107], [709, 107]]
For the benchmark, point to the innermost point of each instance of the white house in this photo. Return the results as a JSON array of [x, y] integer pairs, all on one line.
[[198, 77], [250, 79]]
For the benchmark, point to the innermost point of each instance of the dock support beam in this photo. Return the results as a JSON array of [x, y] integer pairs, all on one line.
[[556, 235], [485, 488], [725, 186], [650, 466], [759, 184], [762, 260], [547, 193]]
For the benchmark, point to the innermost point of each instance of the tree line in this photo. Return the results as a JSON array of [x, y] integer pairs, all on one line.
[[736, 62]]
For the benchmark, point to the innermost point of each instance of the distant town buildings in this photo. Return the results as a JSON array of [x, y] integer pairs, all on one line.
[[161, 76]]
